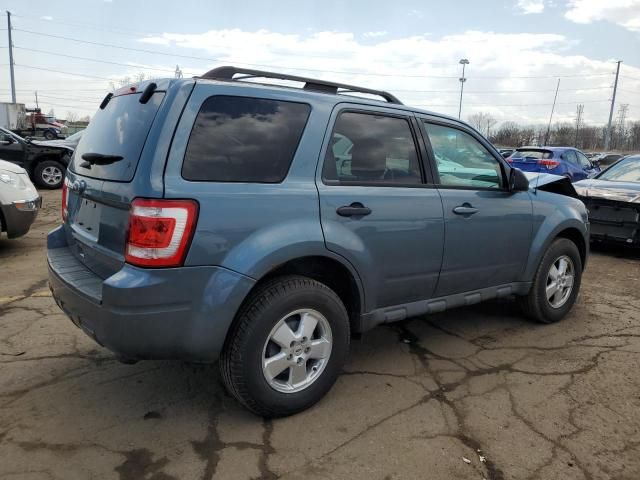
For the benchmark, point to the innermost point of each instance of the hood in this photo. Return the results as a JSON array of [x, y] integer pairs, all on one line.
[[53, 143], [551, 183], [540, 179], [11, 167], [608, 190]]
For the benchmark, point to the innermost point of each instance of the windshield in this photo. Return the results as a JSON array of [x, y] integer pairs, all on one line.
[[627, 170], [537, 154], [121, 130]]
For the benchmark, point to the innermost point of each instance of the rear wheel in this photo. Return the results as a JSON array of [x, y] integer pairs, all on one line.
[[556, 283], [50, 135], [49, 174], [287, 346]]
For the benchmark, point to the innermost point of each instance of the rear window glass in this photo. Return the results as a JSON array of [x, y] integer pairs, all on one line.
[[241, 139], [537, 154], [120, 129]]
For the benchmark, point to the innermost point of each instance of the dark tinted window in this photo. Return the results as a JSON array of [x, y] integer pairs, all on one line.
[[120, 129], [368, 148], [238, 139]]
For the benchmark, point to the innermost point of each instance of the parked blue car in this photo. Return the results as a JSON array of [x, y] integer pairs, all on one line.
[[565, 161], [259, 224]]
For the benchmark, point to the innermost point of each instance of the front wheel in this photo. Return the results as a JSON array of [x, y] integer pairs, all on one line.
[[286, 347], [49, 174], [556, 283]]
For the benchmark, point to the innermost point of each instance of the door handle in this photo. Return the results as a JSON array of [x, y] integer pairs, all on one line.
[[465, 209], [356, 209]]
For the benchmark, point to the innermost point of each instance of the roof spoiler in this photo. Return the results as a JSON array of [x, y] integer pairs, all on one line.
[[228, 73]]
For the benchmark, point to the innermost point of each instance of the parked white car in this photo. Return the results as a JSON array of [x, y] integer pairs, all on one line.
[[19, 200]]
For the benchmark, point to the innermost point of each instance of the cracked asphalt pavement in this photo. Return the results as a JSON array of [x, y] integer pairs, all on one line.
[[468, 394]]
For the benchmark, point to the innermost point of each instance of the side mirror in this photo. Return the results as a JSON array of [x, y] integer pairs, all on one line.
[[518, 182]]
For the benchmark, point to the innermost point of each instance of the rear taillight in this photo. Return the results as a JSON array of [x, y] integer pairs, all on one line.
[[65, 199], [160, 232], [549, 164]]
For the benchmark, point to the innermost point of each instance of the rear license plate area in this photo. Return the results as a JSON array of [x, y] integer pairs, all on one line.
[[87, 219]]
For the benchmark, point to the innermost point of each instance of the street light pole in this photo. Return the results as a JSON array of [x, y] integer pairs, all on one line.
[[13, 80], [464, 62]]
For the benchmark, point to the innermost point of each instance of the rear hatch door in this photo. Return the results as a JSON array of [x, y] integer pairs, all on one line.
[[99, 180]]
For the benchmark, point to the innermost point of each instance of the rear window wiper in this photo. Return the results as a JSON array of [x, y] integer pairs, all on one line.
[[99, 159]]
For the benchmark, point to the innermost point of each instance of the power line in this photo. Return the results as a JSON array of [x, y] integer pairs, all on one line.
[[508, 105], [65, 73], [208, 59], [98, 61], [339, 72], [131, 33], [79, 100], [499, 92]]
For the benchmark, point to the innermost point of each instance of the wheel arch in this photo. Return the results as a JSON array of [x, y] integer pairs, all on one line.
[[571, 229], [573, 234], [334, 273]]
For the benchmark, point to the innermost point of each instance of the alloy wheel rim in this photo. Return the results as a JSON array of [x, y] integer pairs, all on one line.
[[560, 281], [52, 175], [297, 351]]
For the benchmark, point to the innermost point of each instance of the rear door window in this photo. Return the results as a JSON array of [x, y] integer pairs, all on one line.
[[242, 139], [372, 149], [570, 156], [120, 129]]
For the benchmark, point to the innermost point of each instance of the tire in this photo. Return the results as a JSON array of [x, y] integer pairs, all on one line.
[[49, 135], [49, 174], [536, 305], [249, 345]]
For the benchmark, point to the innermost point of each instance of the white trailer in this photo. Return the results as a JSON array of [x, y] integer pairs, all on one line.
[[13, 116]]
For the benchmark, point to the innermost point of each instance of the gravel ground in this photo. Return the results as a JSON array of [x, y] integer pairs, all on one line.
[[468, 394]]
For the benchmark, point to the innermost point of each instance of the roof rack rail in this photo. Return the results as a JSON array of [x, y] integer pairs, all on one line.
[[228, 72]]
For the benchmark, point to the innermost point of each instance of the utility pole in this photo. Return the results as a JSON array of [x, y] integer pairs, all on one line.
[[579, 111], [13, 81], [178, 72], [607, 139], [553, 107], [464, 62], [37, 106], [620, 125]]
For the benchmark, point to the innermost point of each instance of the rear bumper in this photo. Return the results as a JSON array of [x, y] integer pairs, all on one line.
[[17, 222], [178, 313]]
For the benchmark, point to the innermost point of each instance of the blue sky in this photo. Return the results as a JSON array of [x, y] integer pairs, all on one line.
[[517, 49]]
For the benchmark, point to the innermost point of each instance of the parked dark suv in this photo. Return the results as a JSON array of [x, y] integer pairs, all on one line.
[[260, 224]]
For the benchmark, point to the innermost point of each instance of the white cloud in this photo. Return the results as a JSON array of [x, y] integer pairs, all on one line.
[[530, 6], [380, 33], [625, 13], [423, 70], [47, 18]]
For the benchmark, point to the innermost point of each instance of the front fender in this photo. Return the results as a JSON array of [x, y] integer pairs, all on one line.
[[553, 214]]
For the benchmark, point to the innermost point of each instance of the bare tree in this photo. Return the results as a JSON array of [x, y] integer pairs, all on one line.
[[483, 122], [72, 117], [138, 77]]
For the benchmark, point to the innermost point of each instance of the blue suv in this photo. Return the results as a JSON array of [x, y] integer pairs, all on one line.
[[566, 161], [222, 218]]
